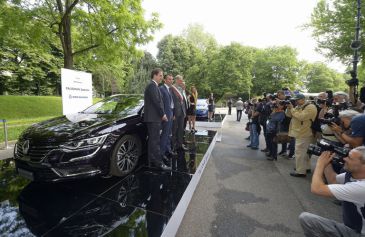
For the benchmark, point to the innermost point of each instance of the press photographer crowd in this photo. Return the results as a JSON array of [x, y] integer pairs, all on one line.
[[326, 126]]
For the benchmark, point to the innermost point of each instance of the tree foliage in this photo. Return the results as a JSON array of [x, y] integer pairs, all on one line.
[[94, 30], [317, 77], [333, 24], [275, 68], [231, 70]]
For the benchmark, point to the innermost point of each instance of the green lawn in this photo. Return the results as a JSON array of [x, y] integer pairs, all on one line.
[[22, 111]]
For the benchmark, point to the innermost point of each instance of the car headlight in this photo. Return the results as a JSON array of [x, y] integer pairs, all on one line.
[[84, 143]]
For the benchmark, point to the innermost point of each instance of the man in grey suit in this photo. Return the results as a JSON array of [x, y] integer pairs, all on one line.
[[154, 114], [180, 105]]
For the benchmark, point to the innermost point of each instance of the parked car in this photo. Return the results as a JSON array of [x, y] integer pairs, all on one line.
[[105, 139], [202, 108]]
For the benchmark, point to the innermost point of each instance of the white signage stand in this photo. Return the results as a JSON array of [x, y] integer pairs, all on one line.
[[76, 91]]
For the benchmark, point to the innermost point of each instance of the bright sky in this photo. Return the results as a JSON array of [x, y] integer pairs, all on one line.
[[258, 23]]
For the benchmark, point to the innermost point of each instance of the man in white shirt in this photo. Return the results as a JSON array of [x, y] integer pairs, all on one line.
[[349, 187]]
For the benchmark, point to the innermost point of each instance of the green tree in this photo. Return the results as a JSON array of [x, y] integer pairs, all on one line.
[[275, 68], [141, 73], [333, 23], [231, 69], [197, 36], [94, 30], [203, 53], [175, 54]]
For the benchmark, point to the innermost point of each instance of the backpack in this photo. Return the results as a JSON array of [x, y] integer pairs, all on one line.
[[316, 124]]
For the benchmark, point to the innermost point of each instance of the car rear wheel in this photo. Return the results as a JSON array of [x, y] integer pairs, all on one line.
[[125, 155]]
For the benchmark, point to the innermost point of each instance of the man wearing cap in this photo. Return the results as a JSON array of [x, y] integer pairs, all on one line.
[[239, 108], [302, 117]]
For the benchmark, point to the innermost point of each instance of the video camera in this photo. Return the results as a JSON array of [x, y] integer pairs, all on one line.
[[330, 118], [325, 145]]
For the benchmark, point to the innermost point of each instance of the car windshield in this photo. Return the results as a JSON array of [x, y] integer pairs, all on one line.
[[122, 104], [202, 103]]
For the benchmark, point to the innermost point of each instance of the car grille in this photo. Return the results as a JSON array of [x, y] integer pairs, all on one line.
[[39, 173], [35, 152]]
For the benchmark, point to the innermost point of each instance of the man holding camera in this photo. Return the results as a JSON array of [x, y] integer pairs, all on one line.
[[348, 187], [354, 120], [300, 128]]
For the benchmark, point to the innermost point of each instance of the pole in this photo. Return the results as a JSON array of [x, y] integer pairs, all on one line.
[[5, 133], [355, 45]]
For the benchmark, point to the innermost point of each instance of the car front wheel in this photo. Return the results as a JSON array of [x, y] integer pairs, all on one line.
[[125, 155]]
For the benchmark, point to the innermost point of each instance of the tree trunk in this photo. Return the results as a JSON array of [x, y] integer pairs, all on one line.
[[66, 34]]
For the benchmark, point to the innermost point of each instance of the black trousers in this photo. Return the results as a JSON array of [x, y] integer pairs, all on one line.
[[239, 115], [154, 153], [178, 130], [271, 145]]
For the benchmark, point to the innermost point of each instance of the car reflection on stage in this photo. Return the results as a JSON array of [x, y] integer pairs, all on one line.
[[140, 204]]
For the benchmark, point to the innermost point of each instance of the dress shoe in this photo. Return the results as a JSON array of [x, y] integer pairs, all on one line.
[[183, 148], [308, 171], [264, 150], [159, 166], [294, 174], [166, 160], [271, 158], [282, 153], [171, 153]]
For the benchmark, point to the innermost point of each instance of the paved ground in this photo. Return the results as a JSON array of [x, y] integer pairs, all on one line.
[[243, 194], [7, 153]]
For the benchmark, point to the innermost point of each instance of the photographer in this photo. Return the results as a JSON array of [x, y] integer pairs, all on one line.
[[348, 187], [264, 109], [254, 127], [323, 103], [300, 128], [273, 127], [354, 120]]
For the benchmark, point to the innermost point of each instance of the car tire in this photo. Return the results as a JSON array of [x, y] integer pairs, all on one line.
[[125, 155]]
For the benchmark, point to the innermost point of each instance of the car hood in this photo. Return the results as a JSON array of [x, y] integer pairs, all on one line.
[[74, 126]]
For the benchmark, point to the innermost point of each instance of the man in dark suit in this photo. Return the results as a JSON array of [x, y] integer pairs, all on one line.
[[154, 114], [180, 105], [169, 111]]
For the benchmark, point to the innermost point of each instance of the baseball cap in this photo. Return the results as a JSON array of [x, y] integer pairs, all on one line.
[[299, 96]]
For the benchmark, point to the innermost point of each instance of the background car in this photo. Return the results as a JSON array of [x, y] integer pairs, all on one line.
[[105, 139], [202, 108]]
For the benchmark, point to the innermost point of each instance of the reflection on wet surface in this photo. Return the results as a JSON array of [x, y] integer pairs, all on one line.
[[217, 118], [137, 205]]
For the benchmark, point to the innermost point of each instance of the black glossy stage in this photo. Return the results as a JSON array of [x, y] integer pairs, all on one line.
[[145, 203]]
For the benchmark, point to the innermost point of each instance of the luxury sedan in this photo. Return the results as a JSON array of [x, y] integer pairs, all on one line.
[[105, 139]]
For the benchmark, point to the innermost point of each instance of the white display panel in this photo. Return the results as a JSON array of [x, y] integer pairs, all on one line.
[[76, 91]]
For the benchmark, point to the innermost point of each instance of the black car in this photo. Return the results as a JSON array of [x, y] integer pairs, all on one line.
[[105, 139]]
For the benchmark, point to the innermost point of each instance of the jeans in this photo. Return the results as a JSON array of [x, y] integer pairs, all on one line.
[[254, 136]]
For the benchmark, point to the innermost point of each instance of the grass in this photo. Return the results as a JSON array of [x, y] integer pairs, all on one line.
[[23, 111]]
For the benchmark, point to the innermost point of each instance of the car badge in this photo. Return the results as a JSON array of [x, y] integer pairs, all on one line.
[[25, 147]]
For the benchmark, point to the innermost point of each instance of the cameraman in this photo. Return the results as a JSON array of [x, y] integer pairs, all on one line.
[[323, 103], [354, 120], [348, 187], [300, 128]]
